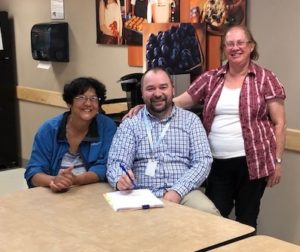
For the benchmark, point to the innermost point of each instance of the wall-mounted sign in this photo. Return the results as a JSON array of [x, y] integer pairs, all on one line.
[[57, 9]]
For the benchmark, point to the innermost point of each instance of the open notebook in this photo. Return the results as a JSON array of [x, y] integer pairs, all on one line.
[[134, 199]]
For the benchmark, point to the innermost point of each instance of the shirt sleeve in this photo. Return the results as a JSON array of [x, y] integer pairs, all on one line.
[[273, 88], [200, 159], [198, 88], [41, 155], [122, 151]]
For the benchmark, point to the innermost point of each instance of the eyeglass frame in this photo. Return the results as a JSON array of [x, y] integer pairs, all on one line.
[[83, 99], [238, 43]]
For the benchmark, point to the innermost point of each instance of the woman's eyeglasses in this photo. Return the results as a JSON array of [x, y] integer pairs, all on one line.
[[239, 43], [82, 99]]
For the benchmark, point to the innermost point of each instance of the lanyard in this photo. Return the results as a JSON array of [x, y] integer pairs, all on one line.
[[161, 136]]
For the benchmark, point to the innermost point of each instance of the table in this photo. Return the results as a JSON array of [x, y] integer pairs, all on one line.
[[81, 220], [261, 243]]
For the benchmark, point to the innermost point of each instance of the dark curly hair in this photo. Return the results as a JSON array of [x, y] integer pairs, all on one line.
[[80, 85]]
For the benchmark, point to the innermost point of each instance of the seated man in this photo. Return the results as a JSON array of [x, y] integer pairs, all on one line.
[[72, 148], [164, 148]]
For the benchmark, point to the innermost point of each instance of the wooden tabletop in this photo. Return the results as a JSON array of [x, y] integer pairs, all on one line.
[[261, 243], [81, 220]]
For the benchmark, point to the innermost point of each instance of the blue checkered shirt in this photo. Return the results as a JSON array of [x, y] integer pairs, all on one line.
[[184, 157]]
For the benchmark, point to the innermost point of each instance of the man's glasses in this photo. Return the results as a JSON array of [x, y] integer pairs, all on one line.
[[82, 99], [239, 43]]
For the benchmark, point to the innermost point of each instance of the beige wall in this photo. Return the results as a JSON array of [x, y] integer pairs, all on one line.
[[275, 27], [106, 63], [86, 57]]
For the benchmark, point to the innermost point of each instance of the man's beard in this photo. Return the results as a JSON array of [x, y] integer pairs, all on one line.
[[159, 109]]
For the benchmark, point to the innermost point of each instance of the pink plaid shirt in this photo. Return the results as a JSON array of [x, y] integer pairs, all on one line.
[[260, 85]]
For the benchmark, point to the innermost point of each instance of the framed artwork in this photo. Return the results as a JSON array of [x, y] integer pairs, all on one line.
[[218, 14], [178, 47], [120, 22]]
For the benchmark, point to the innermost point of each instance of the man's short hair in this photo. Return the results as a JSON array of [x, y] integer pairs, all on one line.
[[155, 70]]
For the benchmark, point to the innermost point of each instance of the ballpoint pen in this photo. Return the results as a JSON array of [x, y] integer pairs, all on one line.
[[124, 170]]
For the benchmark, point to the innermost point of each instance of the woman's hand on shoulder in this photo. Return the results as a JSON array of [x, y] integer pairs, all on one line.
[[133, 111], [184, 101]]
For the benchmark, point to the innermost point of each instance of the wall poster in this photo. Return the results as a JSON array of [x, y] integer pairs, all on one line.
[[132, 22], [180, 48], [120, 22], [218, 14]]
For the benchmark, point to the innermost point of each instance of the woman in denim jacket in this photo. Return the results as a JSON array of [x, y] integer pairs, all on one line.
[[72, 148]]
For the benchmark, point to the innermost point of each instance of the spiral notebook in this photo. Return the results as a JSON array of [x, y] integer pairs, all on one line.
[[133, 199]]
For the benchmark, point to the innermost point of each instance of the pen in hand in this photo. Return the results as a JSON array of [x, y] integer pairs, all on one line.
[[124, 170]]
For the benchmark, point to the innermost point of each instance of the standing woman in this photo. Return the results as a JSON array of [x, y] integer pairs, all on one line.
[[72, 148], [110, 20], [245, 121]]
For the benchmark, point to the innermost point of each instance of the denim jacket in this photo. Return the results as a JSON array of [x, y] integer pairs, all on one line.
[[50, 145]]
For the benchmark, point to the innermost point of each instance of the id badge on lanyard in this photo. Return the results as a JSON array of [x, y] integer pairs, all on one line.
[[151, 167], [153, 163]]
